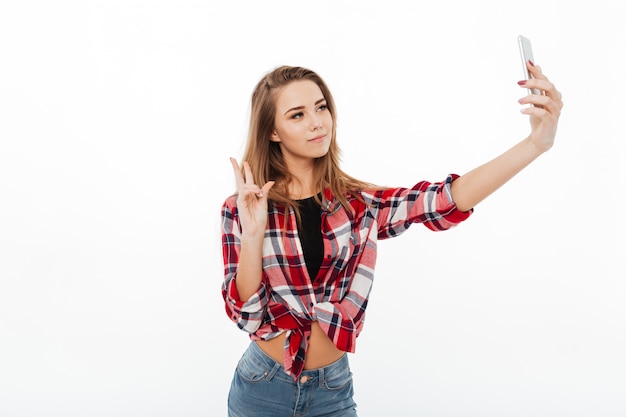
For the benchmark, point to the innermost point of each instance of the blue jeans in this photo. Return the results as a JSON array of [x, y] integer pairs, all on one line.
[[261, 388]]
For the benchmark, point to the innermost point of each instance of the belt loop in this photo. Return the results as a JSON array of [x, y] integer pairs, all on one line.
[[321, 377]]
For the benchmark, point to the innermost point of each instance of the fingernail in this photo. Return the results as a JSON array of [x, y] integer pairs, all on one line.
[[532, 64], [521, 82]]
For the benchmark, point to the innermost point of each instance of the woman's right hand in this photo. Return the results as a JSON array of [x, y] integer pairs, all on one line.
[[251, 201]]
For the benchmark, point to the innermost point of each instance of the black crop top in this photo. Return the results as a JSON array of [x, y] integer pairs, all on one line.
[[310, 231]]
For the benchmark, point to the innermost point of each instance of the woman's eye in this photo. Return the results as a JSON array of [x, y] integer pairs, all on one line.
[[297, 116], [322, 107]]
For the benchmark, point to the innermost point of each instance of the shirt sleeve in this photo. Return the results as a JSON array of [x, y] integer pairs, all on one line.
[[428, 203], [247, 315]]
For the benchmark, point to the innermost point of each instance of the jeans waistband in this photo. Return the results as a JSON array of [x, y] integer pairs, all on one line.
[[318, 374]]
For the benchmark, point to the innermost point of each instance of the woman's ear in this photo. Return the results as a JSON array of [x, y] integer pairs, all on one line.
[[274, 136]]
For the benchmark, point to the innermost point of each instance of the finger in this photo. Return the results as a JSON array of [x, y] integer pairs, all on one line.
[[551, 100], [536, 71], [540, 101], [237, 170], [555, 95], [545, 86], [534, 111], [266, 188], [246, 168], [248, 190], [544, 83]]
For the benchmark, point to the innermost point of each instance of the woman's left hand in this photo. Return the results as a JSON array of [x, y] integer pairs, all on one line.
[[544, 115]]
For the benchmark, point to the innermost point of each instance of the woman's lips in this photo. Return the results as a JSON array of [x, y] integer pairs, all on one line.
[[319, 138]]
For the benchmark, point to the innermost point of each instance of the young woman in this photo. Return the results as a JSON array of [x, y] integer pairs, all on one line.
[[299, 240]]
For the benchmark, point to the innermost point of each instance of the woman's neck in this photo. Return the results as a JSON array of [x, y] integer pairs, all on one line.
[[300, 191], [303, 184]]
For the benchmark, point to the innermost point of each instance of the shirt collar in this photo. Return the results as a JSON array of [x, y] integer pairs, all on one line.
[[329, 203]]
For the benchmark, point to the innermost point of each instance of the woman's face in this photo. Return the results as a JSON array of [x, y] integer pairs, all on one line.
[[302, 124]]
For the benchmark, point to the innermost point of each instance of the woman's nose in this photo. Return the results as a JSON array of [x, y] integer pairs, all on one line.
[[316, 122]]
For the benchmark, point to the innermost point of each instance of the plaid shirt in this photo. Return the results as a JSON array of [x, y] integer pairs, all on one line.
[[288, 300]]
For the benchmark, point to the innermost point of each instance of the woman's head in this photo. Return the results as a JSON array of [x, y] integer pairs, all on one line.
[[303, 125], [264, 149], [263, 152]]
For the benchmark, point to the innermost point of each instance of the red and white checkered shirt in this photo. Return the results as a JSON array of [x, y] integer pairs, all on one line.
[[288, 300]]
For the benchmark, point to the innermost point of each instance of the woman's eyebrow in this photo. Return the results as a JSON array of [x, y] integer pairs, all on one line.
[[301, 107]]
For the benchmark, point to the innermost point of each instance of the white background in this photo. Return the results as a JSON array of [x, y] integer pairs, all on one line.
[[117, 119]]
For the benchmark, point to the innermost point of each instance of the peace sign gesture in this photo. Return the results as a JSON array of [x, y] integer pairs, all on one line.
[[251, 201]]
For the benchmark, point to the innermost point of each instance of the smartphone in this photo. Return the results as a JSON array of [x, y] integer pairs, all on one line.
[[526, 52]]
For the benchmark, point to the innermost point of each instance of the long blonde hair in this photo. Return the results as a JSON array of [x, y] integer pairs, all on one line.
[[265, 156]]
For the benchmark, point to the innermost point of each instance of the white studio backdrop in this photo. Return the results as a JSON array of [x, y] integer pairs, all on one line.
[[117, 119]]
